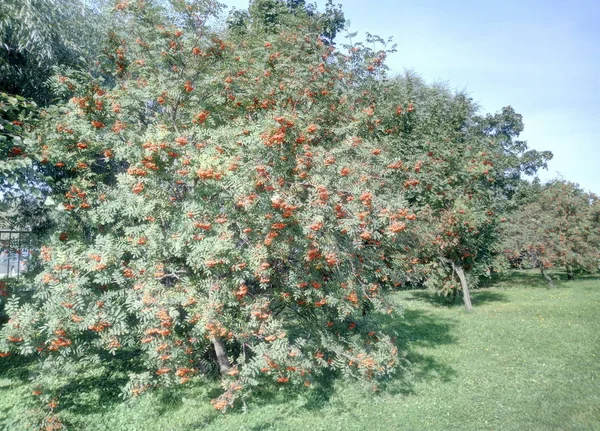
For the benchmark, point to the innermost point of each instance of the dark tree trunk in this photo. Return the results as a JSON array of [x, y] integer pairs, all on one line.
[[465, 286], [570, 275], [221, 352], [547, 277]]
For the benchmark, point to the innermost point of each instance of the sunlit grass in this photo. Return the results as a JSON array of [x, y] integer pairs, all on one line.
[[526, 358]]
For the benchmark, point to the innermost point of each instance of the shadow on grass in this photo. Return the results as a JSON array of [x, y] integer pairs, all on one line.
[[96, 391], [532, 278], [17, 367], [413, 330], [416, 329], [99, 391], [478, 297]]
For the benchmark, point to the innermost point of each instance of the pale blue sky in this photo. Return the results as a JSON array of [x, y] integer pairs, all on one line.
[[540, 56]]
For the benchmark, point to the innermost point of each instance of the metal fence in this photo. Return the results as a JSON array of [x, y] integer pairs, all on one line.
[[16, 248]]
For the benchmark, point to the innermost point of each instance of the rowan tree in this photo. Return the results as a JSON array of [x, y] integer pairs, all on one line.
[[457, 171], [557, 226], [219, 201]]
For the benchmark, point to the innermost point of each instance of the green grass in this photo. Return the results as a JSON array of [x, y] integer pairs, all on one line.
[[526, 358]]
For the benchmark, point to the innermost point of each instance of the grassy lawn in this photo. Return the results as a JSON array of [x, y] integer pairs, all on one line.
[[527, 358]]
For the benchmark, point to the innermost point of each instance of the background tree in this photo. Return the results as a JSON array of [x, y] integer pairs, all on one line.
[[18, 176], [458, 170], [556, 226], [271, 16], [38, 35]]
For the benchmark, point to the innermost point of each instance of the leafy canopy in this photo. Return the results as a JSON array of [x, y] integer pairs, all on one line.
[[222, 208]]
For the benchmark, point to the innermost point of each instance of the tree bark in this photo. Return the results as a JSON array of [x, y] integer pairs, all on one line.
[[547, 277], [465, 286], [570, 275], [221, 352]]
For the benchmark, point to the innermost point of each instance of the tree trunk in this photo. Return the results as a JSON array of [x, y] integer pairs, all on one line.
[[570, 275], [221, 352], [547, 277], [465, 287]]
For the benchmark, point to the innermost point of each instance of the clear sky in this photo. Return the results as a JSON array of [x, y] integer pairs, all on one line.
[[540, 56]]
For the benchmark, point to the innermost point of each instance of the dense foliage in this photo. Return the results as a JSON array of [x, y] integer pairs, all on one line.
[[556, 225], [39, 35], [15, 164], [37, 38], [218, 200], [458, 171]]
